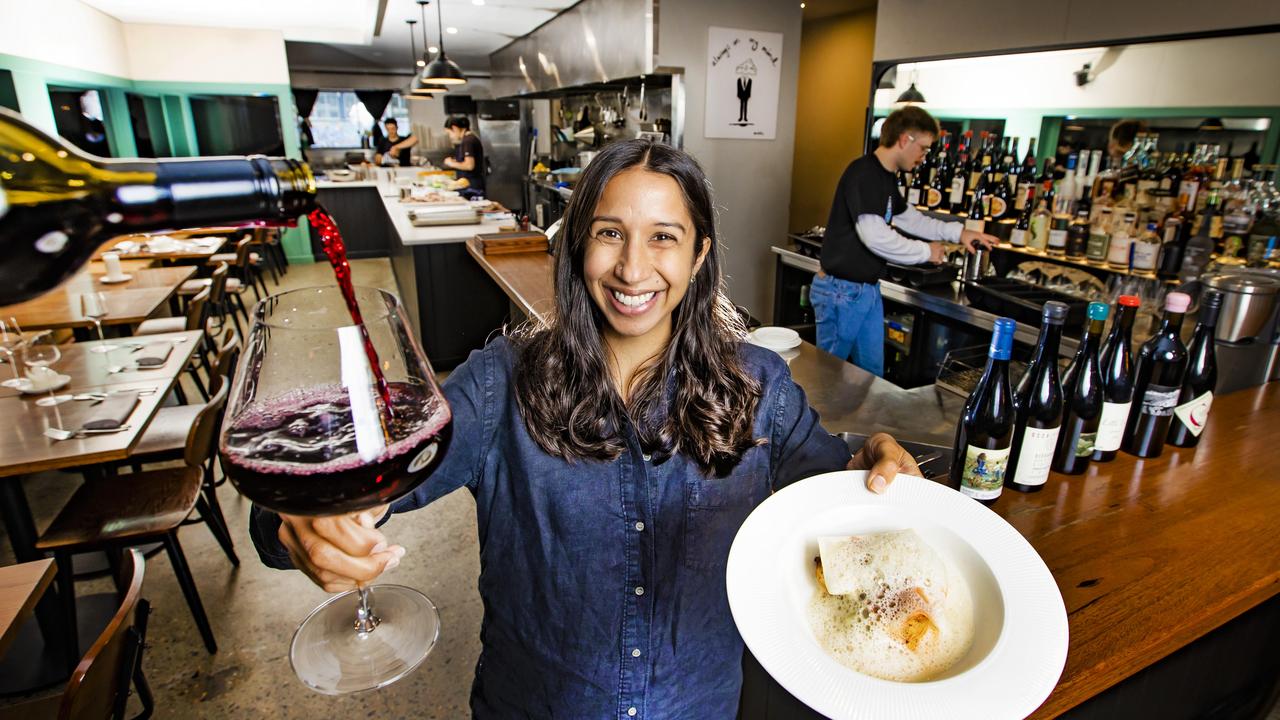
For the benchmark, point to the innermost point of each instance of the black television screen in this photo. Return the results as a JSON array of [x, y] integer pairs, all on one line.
[[237, 125]]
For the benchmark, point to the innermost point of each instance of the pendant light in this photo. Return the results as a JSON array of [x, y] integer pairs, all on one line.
[[912, 95], [420, 87], [412, 93], [442, 70]]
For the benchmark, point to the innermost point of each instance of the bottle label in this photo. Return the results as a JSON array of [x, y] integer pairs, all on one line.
[[913, 196], [1020, 201], [1057, 238], [1144, 255], [1036, 455], [1159, 400], [1018, 238], [1111, 426], [975, 224], [1195, 413], [998, 207], [1086, 443], [1187, 194], [957, 190], [983, 473], [933, 198], [1097, 247]]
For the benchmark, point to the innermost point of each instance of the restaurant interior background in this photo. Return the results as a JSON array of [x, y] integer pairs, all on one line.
[[180, 79]]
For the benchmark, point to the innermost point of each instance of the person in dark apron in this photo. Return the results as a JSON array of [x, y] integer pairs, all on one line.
[[467, 160]]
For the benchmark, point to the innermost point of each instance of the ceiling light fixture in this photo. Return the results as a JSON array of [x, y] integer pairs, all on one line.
[[442, 70], [477, 2], [433, 49], [1211, 124], [912, 95], [413, 92], [420, 85], [451, 30]]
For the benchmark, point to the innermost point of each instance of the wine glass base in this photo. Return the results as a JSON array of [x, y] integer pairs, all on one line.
[[51, 401], [102, 348], [12, 383], [330, 657]]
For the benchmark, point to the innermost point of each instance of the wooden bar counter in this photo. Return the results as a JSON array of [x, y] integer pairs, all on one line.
[[1150, 555]]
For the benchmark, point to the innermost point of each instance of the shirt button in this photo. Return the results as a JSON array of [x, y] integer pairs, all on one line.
[[635, 653], [631, 711], [639, 590], [639, 526]]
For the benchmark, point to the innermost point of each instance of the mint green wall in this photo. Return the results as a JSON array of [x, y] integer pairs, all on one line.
[[33, 78]]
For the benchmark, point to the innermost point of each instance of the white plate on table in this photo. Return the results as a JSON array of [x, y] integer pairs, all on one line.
[[29, 388], [774, 338], [1020, 645], [126, 277]]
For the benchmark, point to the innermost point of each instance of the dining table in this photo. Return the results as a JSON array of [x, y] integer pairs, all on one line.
[[127, 303], [172, 249], [25, 448], [21, 587]]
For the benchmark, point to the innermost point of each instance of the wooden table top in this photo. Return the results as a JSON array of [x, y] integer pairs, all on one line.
[[127, 303], [1149, 554], [185, 250], [91, 279], [24, 447], [20, 587], [96, 267]]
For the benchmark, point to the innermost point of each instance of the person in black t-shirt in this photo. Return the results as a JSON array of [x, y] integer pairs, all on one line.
[[467, 160], [394, 144], [861, 239]]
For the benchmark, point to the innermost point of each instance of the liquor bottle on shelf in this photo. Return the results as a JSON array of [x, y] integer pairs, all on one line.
[[1117, 380], [1058, 227], [1122, 227], [1146, 249], [1038, 239], [940, 186], [1161, 363], [1199, 249], [976, 215], [1171, 248], [984, 436], [1027, 173], [1082, 389], [1196, 397], [1078, 233], [916, 192], [58, 204], [982, 162], [1038, 407], [1099, 236], [1022, 230], [1065, 195], [960, 177]]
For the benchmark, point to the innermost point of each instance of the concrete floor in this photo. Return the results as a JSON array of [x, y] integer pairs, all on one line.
[[255, 609]]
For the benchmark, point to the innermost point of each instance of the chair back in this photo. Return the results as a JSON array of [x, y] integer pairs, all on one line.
[[99, 687], [243, 248], [225, 357], [200, 438], [196, 309], [218, 286]]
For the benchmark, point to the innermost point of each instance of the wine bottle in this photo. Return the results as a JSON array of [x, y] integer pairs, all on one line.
[[1199, 248], [1018, 238], [1158, 382], [1078, 233], [1099, 237], [58, 204], [984, 435], [1171, 248], [1192, 411], [916, 192], [1058, 235], [1038, 407], [1117, 380], [940, 189], [806, 307], [1083, 392]]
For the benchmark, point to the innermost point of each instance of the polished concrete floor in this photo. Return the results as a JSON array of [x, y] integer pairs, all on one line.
[[255, 609]]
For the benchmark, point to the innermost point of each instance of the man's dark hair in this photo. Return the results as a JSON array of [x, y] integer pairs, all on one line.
[[906, 120], [391, 121], [458, 121], [1126, 131]]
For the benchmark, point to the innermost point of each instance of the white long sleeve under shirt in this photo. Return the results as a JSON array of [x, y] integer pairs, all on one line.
[[889, 244]]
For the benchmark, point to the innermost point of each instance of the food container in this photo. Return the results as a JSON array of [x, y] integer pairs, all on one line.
[[976, 264], [1248, 300]]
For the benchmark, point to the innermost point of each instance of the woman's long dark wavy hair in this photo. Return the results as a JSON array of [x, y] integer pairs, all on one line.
[[562, 381]]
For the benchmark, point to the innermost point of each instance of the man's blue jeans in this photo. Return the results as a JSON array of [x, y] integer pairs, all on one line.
[[850, 317]]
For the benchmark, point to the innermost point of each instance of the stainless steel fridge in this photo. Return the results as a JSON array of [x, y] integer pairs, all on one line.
[[499, 130]]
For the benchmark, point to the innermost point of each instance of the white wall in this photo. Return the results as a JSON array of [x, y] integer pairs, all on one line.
[[200, 54], [935, 28], [751, 179], [66, 32], [1191, 73]]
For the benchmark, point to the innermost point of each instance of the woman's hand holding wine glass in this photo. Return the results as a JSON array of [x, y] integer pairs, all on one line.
[[339, 552]]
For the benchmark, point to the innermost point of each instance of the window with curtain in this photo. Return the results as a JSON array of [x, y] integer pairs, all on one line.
[[340, 120]]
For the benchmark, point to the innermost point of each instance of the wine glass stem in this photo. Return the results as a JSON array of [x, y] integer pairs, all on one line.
[[366, 621], [98, 324]]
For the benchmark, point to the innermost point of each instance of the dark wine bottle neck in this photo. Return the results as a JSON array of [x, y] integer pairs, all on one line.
[[1048, 344], [1171, 324]]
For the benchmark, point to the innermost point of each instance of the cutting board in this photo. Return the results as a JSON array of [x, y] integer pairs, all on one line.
[[510, 242]]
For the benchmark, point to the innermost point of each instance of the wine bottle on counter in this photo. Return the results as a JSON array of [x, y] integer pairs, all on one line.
[[1192, 411], [984, 436], [1038, 407], [1083, 389], [1117, 380], [58, 204], [1018, 238], [1158, 382]]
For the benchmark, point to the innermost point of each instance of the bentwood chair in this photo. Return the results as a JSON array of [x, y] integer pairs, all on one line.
[[139, 508], [99, 685]]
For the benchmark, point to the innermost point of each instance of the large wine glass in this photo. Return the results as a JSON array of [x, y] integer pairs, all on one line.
[[328, 417]]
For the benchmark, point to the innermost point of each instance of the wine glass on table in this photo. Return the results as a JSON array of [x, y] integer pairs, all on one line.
[[94, 306], [39, 354], [8, 344], [326, 417]]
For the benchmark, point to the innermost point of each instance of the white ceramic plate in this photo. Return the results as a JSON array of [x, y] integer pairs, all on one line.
[[1020, 645], [126, 277], [30, 389], [774, 338]]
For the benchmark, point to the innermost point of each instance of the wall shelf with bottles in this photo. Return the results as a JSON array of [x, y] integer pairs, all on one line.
[[1083, 264]]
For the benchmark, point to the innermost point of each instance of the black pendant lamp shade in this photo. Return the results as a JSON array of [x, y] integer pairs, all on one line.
[[412, 93], [442, 70], [911, 96]]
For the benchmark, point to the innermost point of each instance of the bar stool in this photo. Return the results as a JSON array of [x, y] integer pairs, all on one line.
[[136, 509]]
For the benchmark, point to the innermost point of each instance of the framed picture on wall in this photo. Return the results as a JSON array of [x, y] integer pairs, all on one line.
[[744, 70]]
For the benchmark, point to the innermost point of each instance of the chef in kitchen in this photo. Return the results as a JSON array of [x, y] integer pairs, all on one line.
[[862, 236]]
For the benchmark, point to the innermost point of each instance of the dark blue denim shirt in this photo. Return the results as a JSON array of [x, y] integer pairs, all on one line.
[[604, 582]]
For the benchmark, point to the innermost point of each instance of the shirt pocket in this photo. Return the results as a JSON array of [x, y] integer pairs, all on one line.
[[714, 510]]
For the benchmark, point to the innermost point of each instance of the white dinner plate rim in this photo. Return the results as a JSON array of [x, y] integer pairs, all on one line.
[[1033, 607], [126, 277], [26, 388]]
